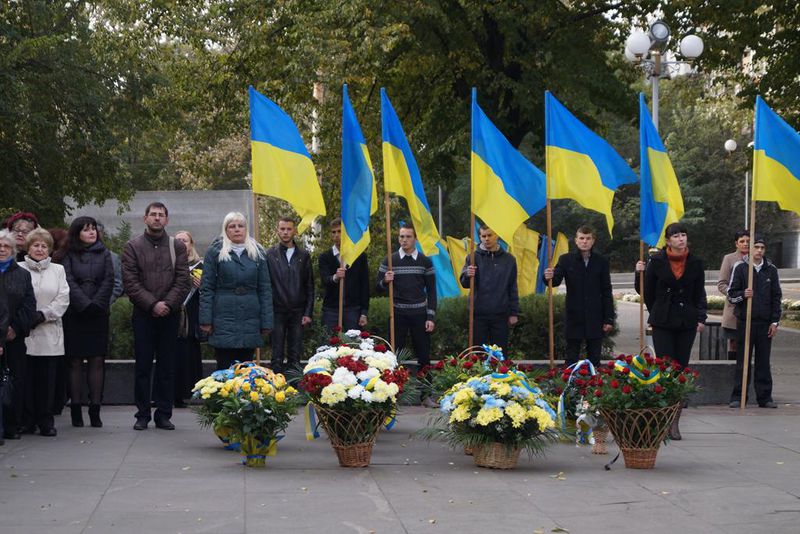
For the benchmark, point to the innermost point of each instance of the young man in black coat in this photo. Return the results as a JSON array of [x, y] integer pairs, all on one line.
[[496, 295], [292, 280], [356, 285], [764, 317], [589, 313]]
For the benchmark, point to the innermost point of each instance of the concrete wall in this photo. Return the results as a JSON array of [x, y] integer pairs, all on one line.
[[200, 212]]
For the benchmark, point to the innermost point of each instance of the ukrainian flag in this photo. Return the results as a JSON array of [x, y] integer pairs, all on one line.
[[282, 166], [776, 159], [524, 249], [507, 189], [359, 197], [458, 249], [581, 165], [401, 176], [559, 246], [660, 194], [446, 283]]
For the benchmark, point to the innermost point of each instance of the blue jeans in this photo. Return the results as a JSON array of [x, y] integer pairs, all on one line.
[[154, 337]]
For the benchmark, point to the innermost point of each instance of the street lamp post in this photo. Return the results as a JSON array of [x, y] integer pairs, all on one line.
[[648, 50], [730, 147]]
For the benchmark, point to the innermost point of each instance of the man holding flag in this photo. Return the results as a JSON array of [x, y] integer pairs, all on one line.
[[356, 285]]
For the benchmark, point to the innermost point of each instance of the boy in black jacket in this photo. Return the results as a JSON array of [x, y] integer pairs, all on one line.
[[765, 315], [356, 285]]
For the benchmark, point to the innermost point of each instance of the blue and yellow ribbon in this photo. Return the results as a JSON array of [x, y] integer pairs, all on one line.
[[311, 424], [637, 365], [574, 368]]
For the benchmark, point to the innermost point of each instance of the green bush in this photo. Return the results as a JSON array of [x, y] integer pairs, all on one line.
[[528, 338]]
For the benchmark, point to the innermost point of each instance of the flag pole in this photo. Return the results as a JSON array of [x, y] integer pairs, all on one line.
[[389, 265], [341, 291], [748, 320], [550, 338], [472, 279], [257, 236], [641, 296]]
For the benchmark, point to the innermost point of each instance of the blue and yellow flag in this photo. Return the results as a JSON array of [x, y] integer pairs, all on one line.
[[401, 176], [282, 166], [359, 196], [526, 242], [458, 249], [507, 189], [776, 159], [660, 194], [446, 280], [581, 165], [559, 246]]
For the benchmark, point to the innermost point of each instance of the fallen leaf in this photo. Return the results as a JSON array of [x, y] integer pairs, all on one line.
[[559, 476], [432, 521], [779, 463], [559, 529], [538, 531], [185, 468]]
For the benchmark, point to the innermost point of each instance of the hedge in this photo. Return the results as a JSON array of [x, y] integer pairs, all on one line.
[[528, 338]]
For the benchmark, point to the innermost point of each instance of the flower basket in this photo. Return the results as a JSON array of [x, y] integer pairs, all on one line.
[[496, 456], [639, 432], [352, 434]]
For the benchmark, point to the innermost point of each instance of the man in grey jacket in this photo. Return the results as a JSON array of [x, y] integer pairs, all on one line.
[[729, 332], [155, 274], [496, 294]]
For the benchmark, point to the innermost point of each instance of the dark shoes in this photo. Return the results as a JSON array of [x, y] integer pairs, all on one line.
[[768, 404], [76, 414], [165, 424], [140, 424], [94, 416], [734, 404], [48, 432]]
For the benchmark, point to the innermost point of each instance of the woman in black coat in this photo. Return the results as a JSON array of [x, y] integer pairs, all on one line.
[[188, 353], [90, 275], [17, 291], [675, 296]]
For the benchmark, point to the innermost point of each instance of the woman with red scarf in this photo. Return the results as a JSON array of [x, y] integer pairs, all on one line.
[[675, 296]]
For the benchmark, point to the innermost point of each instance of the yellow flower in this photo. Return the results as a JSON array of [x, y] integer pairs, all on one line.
[[246, 387], [461, 413], [290, 391], [542, 418], [254, 396], [279, 381], [332, 394], [224, 392], [486, 416], [516, 413], [280, 396], [501, 389], [266, 389], [464, 396]]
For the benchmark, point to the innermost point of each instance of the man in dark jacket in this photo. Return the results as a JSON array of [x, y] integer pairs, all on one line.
[[414, 281], [496, 295], [356, 285], [589, 313], [155, 274], [764, 318], [292, 295]]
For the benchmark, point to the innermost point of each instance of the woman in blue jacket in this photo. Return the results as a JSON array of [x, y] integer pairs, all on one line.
[[235, 293]]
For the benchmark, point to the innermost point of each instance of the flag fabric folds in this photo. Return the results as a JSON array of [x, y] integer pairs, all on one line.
[[660, 194], [446, 279], [359, 195], [401, 176], [282, 166], [507, 189], [523, 248], [776, 159], [560, 246], [581, 165], [459, 249]]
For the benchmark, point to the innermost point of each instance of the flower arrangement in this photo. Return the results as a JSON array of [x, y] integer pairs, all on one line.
[[256, 405], [568, 388], [207, 391], [355, 371], [497, 409]]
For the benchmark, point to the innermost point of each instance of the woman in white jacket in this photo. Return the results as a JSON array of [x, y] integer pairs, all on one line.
[[45, 343]]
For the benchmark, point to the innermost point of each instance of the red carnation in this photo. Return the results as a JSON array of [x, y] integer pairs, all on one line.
[[337, 328], [688, 371], [645, 372], [365, 334], [503, 369], [598, 393], [658, 388], [453, 362], [439, 365], [626, 389], [380, 348], [682, 379], [582, 392], [662, 368], [468, 365], [334, 340], [474, 358], [625, 371], [584, 371], [628, 358], [614, 383], [565, 377], [611, 364]]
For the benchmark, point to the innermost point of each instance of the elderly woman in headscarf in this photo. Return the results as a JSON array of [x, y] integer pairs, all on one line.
[[15, 284]]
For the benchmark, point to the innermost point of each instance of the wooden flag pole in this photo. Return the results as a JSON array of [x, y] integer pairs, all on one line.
[[471, 281], [257, 237], [748, 321], [341, 289], [548, 242], [389, 266], [641, 298]]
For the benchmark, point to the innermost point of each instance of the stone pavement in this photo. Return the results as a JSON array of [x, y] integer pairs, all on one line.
[[731, 474]]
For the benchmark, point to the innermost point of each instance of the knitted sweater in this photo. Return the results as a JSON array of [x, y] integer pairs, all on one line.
[[414, 284]]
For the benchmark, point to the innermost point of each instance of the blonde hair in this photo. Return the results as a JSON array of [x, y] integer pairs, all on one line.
[[253, 249], [39, 234], [193, 256]]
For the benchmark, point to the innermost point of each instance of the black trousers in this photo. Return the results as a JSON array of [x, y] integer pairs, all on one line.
[[154, 337], [287, 339], [760, 348], [594, 347], [490, 330], [188, 366], [16, 359], [404, 325], [226, 357], [350, 316], [675, 344], [41, 390]]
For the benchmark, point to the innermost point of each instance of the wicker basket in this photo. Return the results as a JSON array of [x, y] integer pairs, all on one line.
[[352, 435], [495, 456], [639, 433], [469, 450], [600, 440]]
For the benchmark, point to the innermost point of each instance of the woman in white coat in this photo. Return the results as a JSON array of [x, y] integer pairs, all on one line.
[[45, 343]]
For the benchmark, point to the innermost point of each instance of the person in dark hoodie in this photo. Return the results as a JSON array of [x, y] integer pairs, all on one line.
[[589, 312], [764, 317], [496, 295]]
